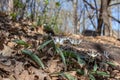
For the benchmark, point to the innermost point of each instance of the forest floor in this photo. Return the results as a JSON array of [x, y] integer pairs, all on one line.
[[14, 65]]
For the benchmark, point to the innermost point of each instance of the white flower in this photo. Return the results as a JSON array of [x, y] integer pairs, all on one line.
[[75, 41], [92, 54], [61, 40], [106, 54]]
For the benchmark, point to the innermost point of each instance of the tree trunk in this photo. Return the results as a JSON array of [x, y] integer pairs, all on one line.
[[6, 5], [104, 19], [75, 2], [10, 6], [100, 21]]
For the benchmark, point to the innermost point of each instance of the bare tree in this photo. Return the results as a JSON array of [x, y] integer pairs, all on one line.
[[104, 18], [6, 5], [75, 17]]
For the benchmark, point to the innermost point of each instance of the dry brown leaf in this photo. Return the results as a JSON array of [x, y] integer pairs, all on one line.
[[5, 79], [116, 63], [55, 78], [17, 24], [24, 76], [40, 30], [18, 68], [7, 51], [52, 66], [29, 22], [36, 73], [11, 44], [73, 73], [75, 36], [117, 76]]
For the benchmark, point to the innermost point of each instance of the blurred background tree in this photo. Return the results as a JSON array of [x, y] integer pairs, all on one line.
[[67, 16]]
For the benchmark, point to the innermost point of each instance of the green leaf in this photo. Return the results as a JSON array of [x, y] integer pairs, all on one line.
[[14, 15], [34, 57], [69, 54], [110, 63], [92, 77], [46, 2], [68, 76], [74, 55], [18, 4], [21, 42], [100, 73], [95, 67], [80, 61], [79, 71], [44, 44], [57, 4], [58, 50]]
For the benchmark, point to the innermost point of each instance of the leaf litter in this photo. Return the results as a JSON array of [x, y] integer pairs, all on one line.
[[14, 65]]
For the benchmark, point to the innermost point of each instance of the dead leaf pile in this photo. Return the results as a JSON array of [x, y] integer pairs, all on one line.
[[16, 66]]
